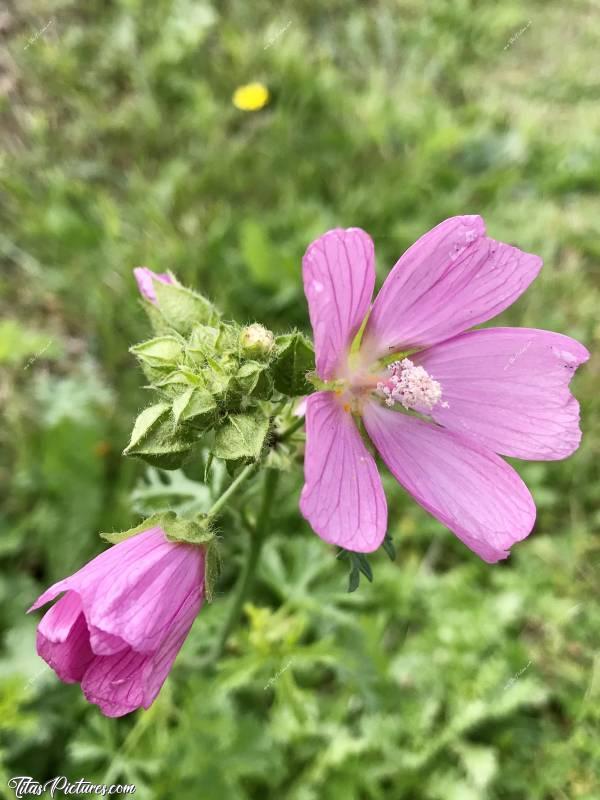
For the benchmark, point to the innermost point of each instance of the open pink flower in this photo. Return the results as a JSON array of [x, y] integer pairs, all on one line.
[[469, 395], [122, 620], [145, 278]]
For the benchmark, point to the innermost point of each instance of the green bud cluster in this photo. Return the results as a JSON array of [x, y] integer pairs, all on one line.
[[216, 381]]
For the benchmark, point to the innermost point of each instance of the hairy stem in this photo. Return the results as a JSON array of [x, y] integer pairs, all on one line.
[[291, 429], [249, 470], [247, 577]]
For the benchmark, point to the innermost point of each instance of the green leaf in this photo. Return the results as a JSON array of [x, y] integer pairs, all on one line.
[[195, 405], [182, 308], [295, 357], [242, 436], [157, 440], [160, 352], [481, 763]]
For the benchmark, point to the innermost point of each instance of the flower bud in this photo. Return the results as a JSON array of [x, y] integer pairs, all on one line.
[[145, 278], [123, 618], [256, 341]]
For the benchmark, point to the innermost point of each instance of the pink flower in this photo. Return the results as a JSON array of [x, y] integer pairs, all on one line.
[[122, 620], [145, 277], [471, 395]]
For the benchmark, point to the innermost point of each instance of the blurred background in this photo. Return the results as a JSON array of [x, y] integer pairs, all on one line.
[[444, 679]]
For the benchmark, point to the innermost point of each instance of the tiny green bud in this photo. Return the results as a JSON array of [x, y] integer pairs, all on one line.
[[256, 341]]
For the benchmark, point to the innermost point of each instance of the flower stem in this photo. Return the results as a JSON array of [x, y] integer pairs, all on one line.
[[291, 430], [231, 489], [247, 577]]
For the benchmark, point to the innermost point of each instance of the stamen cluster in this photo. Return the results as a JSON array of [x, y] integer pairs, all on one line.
[[411, 387]]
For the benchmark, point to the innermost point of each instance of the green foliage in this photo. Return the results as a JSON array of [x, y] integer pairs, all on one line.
[[182, 309], [161, 352], [295, 358], [177, 529], [19, 344], [444, 678], [241, 436], [158, 440]]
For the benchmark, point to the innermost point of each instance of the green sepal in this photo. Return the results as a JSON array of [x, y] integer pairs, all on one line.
[[361, 562], [202, 343], [228, 338], [178, 381], [197, 405], [388, 546], [182, 308], [156, 439], [212, 568], [353, 579], [218, 378], [177, 529], [241, 436], [162, 352], [265, 386], [180, 529], [154, 521], [253, 379], [295, 357], [157, 321], [358, 564]]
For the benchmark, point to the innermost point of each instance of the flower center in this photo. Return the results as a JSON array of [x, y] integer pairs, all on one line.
[[411, 387]]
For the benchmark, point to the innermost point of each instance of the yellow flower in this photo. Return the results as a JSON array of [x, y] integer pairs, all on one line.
[[251, 97]]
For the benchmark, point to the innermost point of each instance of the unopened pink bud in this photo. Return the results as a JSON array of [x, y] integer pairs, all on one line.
[[145, 278]]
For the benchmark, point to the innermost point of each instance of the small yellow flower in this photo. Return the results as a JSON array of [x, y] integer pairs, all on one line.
[[251, 97]]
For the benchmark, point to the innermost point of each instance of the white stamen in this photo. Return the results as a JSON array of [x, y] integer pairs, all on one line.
[[411, 387]]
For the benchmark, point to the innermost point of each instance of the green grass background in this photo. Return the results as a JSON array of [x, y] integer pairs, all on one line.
[[444, 679]]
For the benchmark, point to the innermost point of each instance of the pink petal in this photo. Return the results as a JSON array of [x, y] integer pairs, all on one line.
[[127, 680], [339, 275], [472, 491], [63, 639], [509, 388], [163, 659], [105, 644], [133, 590], [142, 602], [115, 683], [342, 498], [109, 562], [145, 278], [452, 278]]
